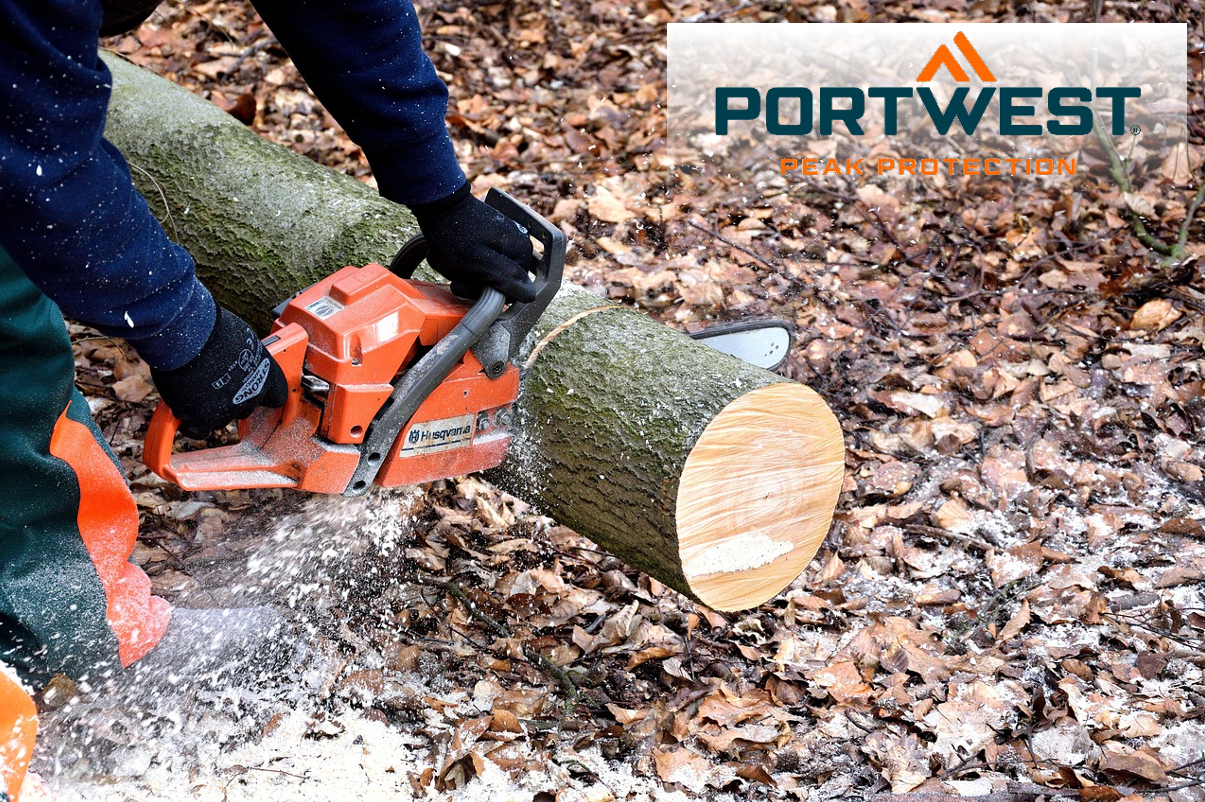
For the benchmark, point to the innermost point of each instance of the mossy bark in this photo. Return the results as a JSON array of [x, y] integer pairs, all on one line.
[[611, 404], [260, 221]]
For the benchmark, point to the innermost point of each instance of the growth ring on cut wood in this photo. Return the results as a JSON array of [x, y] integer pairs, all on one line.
[[757, 494]]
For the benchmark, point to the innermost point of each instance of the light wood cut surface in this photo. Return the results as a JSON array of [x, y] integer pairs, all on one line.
[[757, 494]]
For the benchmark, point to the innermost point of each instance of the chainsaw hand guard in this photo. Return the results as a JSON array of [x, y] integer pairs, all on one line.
[[249, 462], [499, 345]]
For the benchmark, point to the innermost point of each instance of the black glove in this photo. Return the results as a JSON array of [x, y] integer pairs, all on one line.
[[472, 244], [231, 376]]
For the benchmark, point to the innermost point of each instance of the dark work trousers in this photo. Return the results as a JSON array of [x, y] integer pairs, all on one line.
[[71, 602]]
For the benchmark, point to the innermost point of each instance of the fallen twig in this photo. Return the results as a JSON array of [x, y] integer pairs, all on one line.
[[540, 661], [262, 44], [731, 244]]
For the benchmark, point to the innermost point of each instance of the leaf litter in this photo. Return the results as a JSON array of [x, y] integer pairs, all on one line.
[[1010, 600]]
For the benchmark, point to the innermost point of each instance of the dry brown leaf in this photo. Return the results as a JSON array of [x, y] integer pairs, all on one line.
[[726, 709], [1184, 472], [1003, 470], [605, 206], [969, 720], [902, 761], [505, 721], [931, 594], [908, 648], [212, 69], [955, 516], [1138, 762], [843, 682], [1017, 562], [651, 653], [523, 703], [1140, 204], [879, 202], [892, 478], [1016, 624], [685, 768], [1176, 167], [1155, 315], [930, 405], [832, 569], [133, 388], [771, 734], [625, 716]]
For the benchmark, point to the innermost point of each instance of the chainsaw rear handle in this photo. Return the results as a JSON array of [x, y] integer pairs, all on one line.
[[287, 347], [498, 346]]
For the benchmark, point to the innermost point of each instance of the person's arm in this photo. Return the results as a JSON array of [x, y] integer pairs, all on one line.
[[72, 219], [75, 224], [364, 61]]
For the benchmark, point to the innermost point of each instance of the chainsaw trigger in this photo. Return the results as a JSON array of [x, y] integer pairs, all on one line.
[[314, 385]]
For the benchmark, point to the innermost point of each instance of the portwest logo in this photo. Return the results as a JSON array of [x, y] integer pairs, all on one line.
[[948, 99], [944, 58], [1068, 107]]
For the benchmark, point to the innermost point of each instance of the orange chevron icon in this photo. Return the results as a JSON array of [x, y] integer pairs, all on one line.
[[943, 56]]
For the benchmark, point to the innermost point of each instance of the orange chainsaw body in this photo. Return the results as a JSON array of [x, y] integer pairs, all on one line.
[[342, 344]]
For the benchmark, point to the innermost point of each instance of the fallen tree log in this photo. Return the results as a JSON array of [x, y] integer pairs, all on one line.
[[717, 478]]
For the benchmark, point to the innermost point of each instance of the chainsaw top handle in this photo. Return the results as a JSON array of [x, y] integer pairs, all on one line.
[[498, 346]]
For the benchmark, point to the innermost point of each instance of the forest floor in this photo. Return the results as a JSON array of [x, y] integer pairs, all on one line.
[[1011, 600]]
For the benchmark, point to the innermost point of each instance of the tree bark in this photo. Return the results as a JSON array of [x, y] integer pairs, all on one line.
[[260, 221], [717, 478]]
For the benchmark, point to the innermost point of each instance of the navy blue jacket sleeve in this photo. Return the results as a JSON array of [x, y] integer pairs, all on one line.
[[365, 62], [71, 217]]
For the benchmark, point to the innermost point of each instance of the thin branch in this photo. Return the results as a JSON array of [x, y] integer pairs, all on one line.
[[1180, 787], [537, 659], [731, 244], [945, 534], [1198, 199], [1118, 171], [266, 42]]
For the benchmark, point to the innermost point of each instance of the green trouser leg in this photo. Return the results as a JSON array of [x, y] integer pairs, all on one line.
[[50, 590]]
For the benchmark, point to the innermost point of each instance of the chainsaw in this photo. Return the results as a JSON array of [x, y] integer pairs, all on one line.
[[392, 381]]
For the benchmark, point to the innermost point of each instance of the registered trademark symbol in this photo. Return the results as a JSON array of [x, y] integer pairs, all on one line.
[[1135, 130]]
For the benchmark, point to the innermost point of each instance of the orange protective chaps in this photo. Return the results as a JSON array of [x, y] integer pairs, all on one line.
[[18, 726], [70, 600]]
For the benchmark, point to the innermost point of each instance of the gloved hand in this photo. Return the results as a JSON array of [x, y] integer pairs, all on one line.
[[472, 244], [231, 376]]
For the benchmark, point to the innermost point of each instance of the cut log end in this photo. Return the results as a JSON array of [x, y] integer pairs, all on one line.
[[756, 496]]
